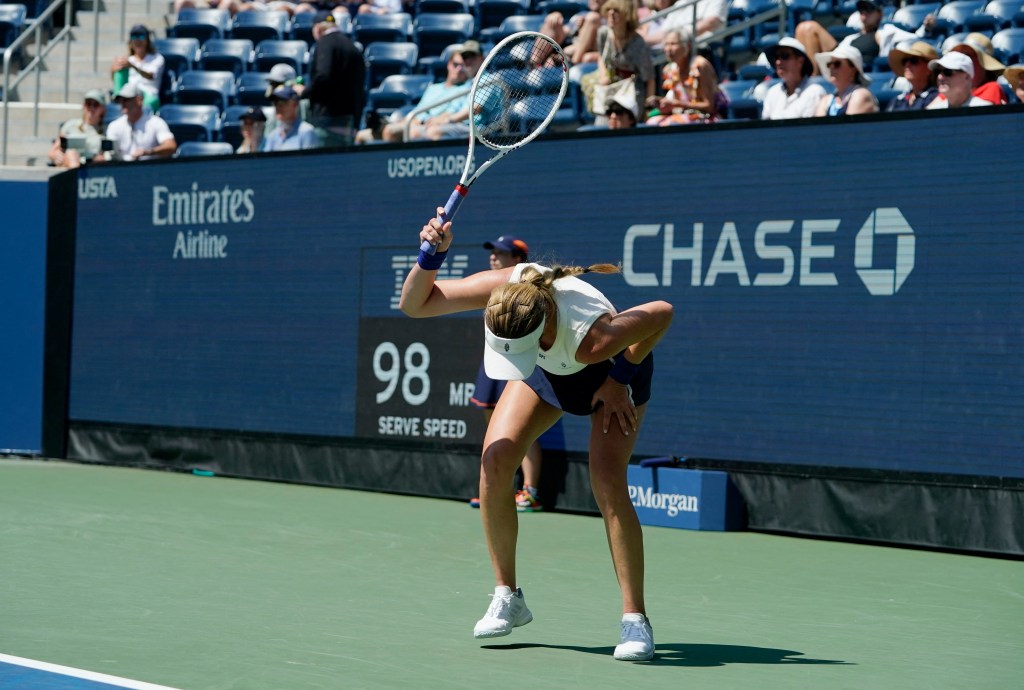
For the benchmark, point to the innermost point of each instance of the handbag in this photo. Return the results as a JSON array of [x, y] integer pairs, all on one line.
[[603, 93]]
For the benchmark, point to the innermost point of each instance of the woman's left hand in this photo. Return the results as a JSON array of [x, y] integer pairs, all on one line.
[[616, 401]]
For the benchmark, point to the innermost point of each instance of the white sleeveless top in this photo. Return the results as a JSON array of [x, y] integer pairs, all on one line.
[[579, 305]]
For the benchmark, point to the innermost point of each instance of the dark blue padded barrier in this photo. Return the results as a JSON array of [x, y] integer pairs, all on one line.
[[845, 296]]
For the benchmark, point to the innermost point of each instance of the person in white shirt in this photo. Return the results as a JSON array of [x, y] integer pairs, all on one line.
[[143, 67], [795, 95], [955, 76], [139, 134]]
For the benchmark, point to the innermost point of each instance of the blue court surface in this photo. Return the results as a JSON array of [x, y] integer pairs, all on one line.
[[17, 673]]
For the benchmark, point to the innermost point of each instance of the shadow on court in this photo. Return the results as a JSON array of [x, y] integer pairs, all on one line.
[[698, 655]]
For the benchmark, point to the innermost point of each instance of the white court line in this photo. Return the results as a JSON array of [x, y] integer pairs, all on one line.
[[80, 673]]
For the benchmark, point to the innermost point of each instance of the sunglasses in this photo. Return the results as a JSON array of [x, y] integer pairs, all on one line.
[[949, 72], [139, 37], [912, 61], [836, 63], [785, 55]]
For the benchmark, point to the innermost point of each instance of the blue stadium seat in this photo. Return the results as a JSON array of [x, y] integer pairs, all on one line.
[[251, 89], [199, 87], [1003, 11], [510, 25], [442, 6], [226, 54], [755, 72], [270, 53], [389, 28], [910, 17], [491, 13], [12, 20], [397, 91], [189, 149], [180, 54], [201, 24], [261, 25], [385, 59], [1008, 45], [231, 125], [435, 32], [192, 122], [567, 8], [953, 15]]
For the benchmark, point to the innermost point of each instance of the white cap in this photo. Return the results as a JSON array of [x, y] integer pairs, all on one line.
[[627, 99], [281, 72], [954, 60], [511, 359], [129, 91], [843, 52]]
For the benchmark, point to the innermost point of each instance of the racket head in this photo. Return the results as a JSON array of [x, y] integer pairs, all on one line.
[[518, 90]]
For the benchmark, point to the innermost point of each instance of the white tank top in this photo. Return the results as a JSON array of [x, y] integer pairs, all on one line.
[[579, 305]]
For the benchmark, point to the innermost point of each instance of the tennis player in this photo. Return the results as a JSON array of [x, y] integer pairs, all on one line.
[[563, 348]]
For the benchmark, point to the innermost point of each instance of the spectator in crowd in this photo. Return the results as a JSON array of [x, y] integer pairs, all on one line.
[[622, 111], [81, 139], [509, 250], [336, 89], [139, 134], [690, 84], [454, 83], [142, 67], [711, 16], [1012, 76], [795, 95], [578, 36], [911, 61], [380, 7], [844, 67], [456, 125], [253, 123], [622, 52], [232, 6], [290, 133], [874, 38], [955, 76], [987, 69]]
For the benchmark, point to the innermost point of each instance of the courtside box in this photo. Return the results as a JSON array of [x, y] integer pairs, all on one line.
[[667, 494]]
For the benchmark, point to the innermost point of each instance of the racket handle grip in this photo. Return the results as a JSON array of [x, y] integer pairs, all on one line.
[[450, 209]]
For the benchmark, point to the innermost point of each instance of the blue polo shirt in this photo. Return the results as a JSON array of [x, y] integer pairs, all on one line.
[[302, 137]]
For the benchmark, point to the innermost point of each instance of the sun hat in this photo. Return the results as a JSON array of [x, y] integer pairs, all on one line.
[[627, 99], [790, 42], [907, 49], [980, 46], [511, 359], [843, 52], [1012, 75]]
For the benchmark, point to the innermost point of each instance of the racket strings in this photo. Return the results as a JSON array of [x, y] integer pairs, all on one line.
[[517, 90]]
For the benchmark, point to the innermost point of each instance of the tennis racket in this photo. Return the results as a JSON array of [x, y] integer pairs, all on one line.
[[515, 95]]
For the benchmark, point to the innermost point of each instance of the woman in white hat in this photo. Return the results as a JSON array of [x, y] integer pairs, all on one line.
[[563, 347], [844, 67]]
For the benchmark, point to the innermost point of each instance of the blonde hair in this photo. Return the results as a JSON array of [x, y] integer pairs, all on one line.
[[516, 309], [627, 8]]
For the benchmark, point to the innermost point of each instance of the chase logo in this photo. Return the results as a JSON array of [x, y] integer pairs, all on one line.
[[884, 281], [97, 188]]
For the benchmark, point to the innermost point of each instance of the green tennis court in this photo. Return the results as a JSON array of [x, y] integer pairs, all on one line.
[[215, 584]]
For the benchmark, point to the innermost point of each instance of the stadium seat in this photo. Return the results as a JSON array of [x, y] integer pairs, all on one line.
[[953, 15], [201, 24], [744, 108], [442, 6], [950, 41], [433, 33], [199, 87], [491, 13], [226, 54], [755, 72], [389, 28], [231, 125], [301, 28], [910, 17], [397, 91], [1004, 11], [1008, 45], [983, 24], [263, 25], [567, 8], [12, 20], [189, 149], [192, 122], [385, 59], [511, 25], [270, 53], [180, 54], [251, 89]]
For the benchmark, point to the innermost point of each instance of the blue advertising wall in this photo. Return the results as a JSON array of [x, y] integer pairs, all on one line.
[[22, 314], [846, 294]]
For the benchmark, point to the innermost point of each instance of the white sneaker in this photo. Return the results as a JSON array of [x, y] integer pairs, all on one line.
[[507, 610], [637, 639]]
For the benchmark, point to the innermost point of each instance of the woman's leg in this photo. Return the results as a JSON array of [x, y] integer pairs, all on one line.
[[519, 418], [609, 456]]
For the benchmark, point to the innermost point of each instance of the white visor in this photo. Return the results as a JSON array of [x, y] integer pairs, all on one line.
[[511, 359]]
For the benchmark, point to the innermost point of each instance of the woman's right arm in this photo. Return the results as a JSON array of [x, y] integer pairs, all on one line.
[[423, 295]]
